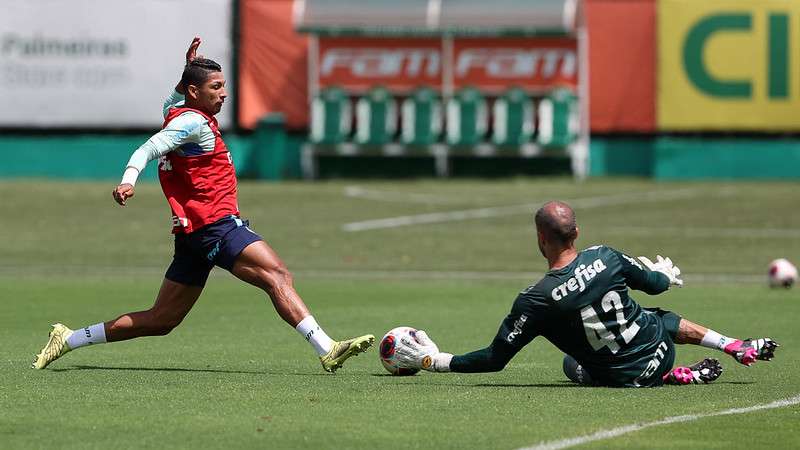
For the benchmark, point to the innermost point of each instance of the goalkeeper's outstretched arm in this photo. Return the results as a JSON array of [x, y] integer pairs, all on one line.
[[522, 324], [422, 353], [641, 277], [490, 359]]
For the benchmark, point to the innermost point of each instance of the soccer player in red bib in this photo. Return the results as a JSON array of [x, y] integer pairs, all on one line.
[[199, 181]]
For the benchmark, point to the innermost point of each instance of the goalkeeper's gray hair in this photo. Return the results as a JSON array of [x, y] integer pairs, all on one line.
[[556, 220]]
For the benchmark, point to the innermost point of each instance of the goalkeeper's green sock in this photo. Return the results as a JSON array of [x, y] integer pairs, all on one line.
[[93, 334]]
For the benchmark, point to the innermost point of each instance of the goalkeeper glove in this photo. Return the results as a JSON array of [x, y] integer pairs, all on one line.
[[420, 352], [665, 266]]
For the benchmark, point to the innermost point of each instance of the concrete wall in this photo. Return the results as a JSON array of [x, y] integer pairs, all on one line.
[[103, 156]]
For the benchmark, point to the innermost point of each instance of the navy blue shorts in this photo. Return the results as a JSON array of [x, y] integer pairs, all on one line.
[[216, 244]]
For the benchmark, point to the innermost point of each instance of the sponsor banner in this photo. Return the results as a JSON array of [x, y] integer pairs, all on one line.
[[729, 65], [490, 64], [111, 63], [493, 65], [357, 64]]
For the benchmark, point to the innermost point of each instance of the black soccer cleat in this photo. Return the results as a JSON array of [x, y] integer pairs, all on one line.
[[704, 372]]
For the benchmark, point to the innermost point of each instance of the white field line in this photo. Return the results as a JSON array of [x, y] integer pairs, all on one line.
[[511, 210], [397, 197], [354, 274], [614, 432]]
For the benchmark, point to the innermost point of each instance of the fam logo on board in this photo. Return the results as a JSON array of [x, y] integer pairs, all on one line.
[[382, 62], [409, 63], [415, 62]]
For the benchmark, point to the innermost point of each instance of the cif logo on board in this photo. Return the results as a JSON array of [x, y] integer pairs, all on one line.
[[728, 65], [775, 54]]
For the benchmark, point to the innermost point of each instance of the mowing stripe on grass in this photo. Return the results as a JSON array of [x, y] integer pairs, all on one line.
[[699, 232], [397, 197], [619, 431], [712, 278], [512, 210], [354, 274]]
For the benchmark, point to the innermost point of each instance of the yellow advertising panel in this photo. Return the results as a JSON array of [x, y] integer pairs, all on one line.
[[728, 65]]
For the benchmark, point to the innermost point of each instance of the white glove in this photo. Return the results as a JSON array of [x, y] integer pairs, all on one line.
[[665, 266], [421, 353]]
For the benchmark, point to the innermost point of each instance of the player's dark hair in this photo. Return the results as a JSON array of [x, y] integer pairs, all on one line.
[[197, 71], [557, 221]]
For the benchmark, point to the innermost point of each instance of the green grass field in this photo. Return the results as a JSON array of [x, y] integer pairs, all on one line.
[[234, 376]]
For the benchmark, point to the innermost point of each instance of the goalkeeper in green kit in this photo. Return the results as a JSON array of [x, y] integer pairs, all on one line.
[[582, 306]]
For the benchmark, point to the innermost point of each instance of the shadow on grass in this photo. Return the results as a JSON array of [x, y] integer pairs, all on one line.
[[500, 385], [571, 384], [389, 375], [559, 384], [183, 369], [567, 384]]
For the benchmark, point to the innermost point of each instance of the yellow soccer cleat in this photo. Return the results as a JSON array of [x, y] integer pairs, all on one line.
[[56, 346], [342, 350]]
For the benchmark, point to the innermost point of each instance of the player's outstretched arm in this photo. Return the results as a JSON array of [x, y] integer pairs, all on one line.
[[666, 267], [174, 135], [177, 98], [179, 131], [493, 358], [191, 55], [644, 275], [520, 327], [423, 353]]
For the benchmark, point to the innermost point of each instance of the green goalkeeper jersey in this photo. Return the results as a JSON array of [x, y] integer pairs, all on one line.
[[585, 310]]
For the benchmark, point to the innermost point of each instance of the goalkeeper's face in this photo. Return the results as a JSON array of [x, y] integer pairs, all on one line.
[[210, 95]]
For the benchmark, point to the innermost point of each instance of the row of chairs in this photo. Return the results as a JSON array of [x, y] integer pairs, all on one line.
[[516, 119]]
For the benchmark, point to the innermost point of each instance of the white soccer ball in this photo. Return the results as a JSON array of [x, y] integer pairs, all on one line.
[[782, 273], [388, 346]]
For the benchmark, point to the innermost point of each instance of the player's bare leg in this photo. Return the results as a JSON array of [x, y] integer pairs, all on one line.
[[259, 265], [745, 351], [173, 303]]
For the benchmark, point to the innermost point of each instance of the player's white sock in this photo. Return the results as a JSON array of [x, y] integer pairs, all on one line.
[[93, 334], [712, 339], [310, 329]]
